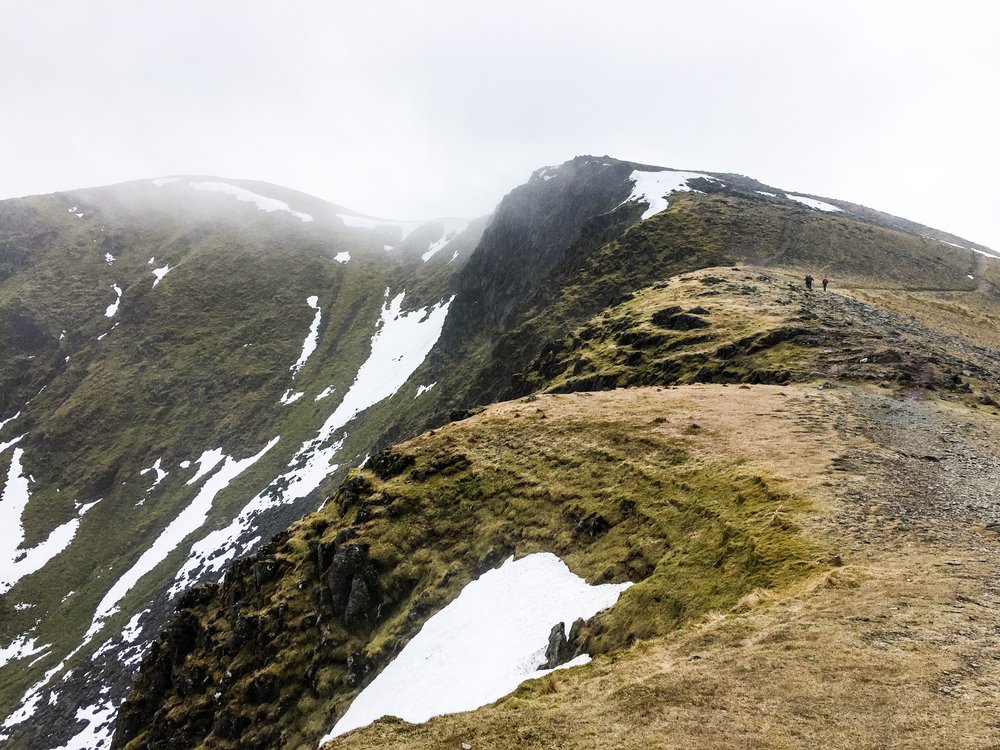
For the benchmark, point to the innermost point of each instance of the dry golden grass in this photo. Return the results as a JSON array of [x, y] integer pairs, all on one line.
[[897, 648]]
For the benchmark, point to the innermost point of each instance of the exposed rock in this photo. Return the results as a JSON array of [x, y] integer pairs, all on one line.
[[593, 525], [357, 668], [264, 688], [359, 602], [387, 464], [556, 652], [678, 321]]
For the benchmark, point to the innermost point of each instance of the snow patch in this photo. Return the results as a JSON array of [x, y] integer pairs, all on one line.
[[159, 273], [132, 630], [987, 253], [100, 720], [16, 563], [548, 173], [207, 461], [500, 623], [289, 397], [452, 229], [109, 258], [161, 181], [81, 510], [5, 422], [113, 307], [324, 393], [29, 705], [312, 338], [653, 188], [155, 468], [769, 195], [20, 648], [813, 203], [242, 194], [342, 257], [421, 389], [101, 337], [9, 443]]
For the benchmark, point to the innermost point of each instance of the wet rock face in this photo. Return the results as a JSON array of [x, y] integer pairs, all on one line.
[[350, 563], [556, 650], [533, 228]]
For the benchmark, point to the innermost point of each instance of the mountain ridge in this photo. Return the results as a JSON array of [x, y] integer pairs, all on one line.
[[560, 254]]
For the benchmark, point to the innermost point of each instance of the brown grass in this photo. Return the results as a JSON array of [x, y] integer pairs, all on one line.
[[896, 648]]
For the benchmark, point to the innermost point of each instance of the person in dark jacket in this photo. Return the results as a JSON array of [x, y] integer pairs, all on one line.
[[809, 281]]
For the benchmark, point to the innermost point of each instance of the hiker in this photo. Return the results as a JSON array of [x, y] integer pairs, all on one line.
[[826, 280], [809, 282]]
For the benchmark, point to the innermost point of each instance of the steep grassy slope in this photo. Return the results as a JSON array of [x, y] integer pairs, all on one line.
[[198, 361]]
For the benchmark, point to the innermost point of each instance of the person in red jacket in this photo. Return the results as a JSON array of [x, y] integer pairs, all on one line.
[[826, 280]]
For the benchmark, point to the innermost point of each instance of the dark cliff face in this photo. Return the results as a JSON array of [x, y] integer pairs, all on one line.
[[533, 230], [556, 220]]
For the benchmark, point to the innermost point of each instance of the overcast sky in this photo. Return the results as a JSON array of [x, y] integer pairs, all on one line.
[[421, 109]]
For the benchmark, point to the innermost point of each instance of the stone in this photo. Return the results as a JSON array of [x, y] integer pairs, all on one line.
[[557, 651], [359, 602]]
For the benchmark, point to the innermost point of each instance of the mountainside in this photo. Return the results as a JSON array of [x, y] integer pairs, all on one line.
[[179, 363], [189, 366]]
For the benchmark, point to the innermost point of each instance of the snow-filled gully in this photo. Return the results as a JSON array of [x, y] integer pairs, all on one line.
[[399, 345], [312, 339], [401, 342], [187, 521]]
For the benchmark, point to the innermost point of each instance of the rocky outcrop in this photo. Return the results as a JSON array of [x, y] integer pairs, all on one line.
[[254, 627], [562, 647]]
